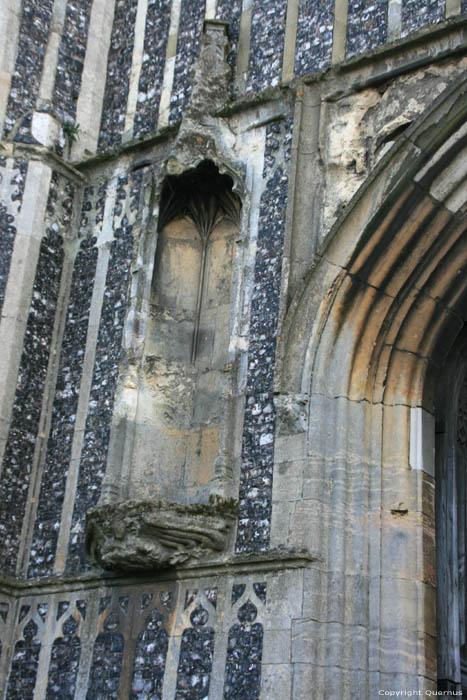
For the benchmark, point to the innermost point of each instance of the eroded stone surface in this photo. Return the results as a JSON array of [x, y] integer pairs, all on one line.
[[145, 536]]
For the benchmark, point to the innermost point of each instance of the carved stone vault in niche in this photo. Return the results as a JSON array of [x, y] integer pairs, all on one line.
[[185, 386]]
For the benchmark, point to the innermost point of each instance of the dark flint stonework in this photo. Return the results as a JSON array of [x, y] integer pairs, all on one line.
[[7, 220], [24, 426], [150, 657], [24, 87], [314, 36], [266, 45], [244, 652], [4, 610], [366, 25], [64, 663], [238, 589], [230, 11], [23, 673], [118, 74], [106, 667], [60, 439], [189, 32], [152, 70], [418, 13], [106, 364], [464, 6], [255, 494], [196, 653], [71, 58]]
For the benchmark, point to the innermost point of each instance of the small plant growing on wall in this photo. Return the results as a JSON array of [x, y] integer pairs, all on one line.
[[71, 133]]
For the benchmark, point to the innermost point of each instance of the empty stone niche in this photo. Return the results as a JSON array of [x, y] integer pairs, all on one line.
[[185, 377]]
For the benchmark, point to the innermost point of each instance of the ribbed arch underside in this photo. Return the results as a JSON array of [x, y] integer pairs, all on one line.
[[395, 269]]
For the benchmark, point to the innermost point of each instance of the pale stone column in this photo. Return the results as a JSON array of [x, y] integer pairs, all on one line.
[[453, 7], [394, 19], [91, 98], [211, 6], [244, 39], [340, 30], [291, 23]]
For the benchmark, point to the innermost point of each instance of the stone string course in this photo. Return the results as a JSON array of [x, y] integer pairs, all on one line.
[[71, 58], [11, 196], [189, 32], [118, 74], [255, 495], [366, 26], [107, 359], [152, 70], [314, 36], [24, 427]]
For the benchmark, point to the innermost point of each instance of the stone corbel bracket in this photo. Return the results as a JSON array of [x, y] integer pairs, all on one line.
[[148, 535]]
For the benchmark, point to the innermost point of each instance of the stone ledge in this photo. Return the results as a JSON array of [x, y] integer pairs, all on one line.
[[273, 560]]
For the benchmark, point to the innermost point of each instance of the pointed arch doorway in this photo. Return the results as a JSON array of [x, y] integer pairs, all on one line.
[[372, 339]]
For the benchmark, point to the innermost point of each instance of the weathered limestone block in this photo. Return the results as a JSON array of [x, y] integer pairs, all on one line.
[[150, 535]]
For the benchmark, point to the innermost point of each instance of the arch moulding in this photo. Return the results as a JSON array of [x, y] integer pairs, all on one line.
[[366, 339]]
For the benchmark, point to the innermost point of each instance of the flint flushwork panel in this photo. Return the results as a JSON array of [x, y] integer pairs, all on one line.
[[118, 74], [152, 69], [24, 87], [418, 13], [245, 645], [24, 426], [230, 11], [267, 45], [366, 26], [25, 662], [190, 28], [314, 36], [12, 184], [107, 659], [106, 364], [150, 658], [64, 662], [196, 655], [71, 58], [255, 495], [60, 439]]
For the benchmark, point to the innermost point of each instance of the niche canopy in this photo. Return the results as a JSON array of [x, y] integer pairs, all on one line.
[[202, 194]]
